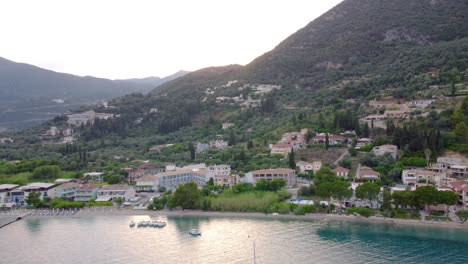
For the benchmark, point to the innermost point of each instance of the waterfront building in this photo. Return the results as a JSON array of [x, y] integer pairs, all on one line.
[[114, 191], [287, 175], [66, 190], [147, 183], [5, 190], [86, 192]]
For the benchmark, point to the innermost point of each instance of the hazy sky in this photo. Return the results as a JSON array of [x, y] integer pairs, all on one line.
[[126, 39]]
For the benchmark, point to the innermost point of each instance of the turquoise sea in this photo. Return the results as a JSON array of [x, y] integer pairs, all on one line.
[[109, 239]]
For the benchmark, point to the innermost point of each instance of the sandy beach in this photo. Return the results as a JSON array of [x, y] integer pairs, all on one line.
[[96, 212]]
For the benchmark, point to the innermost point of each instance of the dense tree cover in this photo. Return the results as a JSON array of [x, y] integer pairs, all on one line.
[[273, 185], [33, 199], [369, 191], [47, 172], [187, 196]]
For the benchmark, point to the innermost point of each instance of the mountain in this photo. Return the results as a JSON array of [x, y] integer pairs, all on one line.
[[154, 81], [376, 42], [360, 49], [29, 94]]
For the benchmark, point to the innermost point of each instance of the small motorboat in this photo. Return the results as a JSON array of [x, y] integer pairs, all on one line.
[[140, 224], [160, 224], [132, 224], [146, 223], [195, 232]]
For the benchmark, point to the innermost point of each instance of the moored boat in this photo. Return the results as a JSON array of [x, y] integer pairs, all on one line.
[[195, 232], [132, 224]]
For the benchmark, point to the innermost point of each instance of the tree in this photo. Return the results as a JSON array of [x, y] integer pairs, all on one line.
[[119, 201], [448, 198], [386, 204], [426, 195], [232, 138], [250, 144], [292, 162], [210, 182], [463, 215], [324, 174], [366, 130], [327, 141], [400, 154], [47, 172], [369, 191], [428, 153], [341, 190], [325, 190], [191, 148], [277, 184], [187, 195], [33, 199]]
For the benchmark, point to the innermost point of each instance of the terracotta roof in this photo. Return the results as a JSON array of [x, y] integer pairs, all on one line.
[[273, 171], [115, 187], [183, 171], [460, 185], [87, 187], [147, 178], [329, 137], [341, 169], [281, 145], [369, 172], [68, 185]]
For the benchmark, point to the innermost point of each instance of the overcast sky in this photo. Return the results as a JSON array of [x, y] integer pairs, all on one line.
[[129, 39]]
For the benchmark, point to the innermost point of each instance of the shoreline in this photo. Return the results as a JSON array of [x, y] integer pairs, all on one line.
[[308, 217]]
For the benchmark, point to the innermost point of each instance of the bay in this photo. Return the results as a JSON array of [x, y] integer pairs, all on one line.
[[109, 239]]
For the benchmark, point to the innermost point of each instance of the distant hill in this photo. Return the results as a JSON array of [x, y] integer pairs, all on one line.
[[376, 44], [154, 81], [29, 94], [360, 49]]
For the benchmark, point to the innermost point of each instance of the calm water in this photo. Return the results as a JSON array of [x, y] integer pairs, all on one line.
[[109, 239]]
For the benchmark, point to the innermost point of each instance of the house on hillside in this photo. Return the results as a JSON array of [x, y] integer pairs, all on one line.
[[280, 149], [384, 149], [362, 142], [94, 176], [304, 166], [332, 139], [201, 147], [366, 173], [461, 188], [421, 103], [342, 172], [412, 177], [219, 144]]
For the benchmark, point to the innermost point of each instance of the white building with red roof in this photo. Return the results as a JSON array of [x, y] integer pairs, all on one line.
[[342, 172], [332, 139], [461, 188]]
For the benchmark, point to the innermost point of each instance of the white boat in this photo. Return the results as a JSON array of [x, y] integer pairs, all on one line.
[[132, 224], [160, 224], [195, 232]]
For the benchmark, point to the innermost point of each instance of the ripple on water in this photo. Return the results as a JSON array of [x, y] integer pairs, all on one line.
[[224, 240]]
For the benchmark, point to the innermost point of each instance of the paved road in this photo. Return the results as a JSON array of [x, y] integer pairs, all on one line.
[[341, 157]]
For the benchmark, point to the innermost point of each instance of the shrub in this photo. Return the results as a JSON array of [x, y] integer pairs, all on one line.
[[308, 208], [361, 211]]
